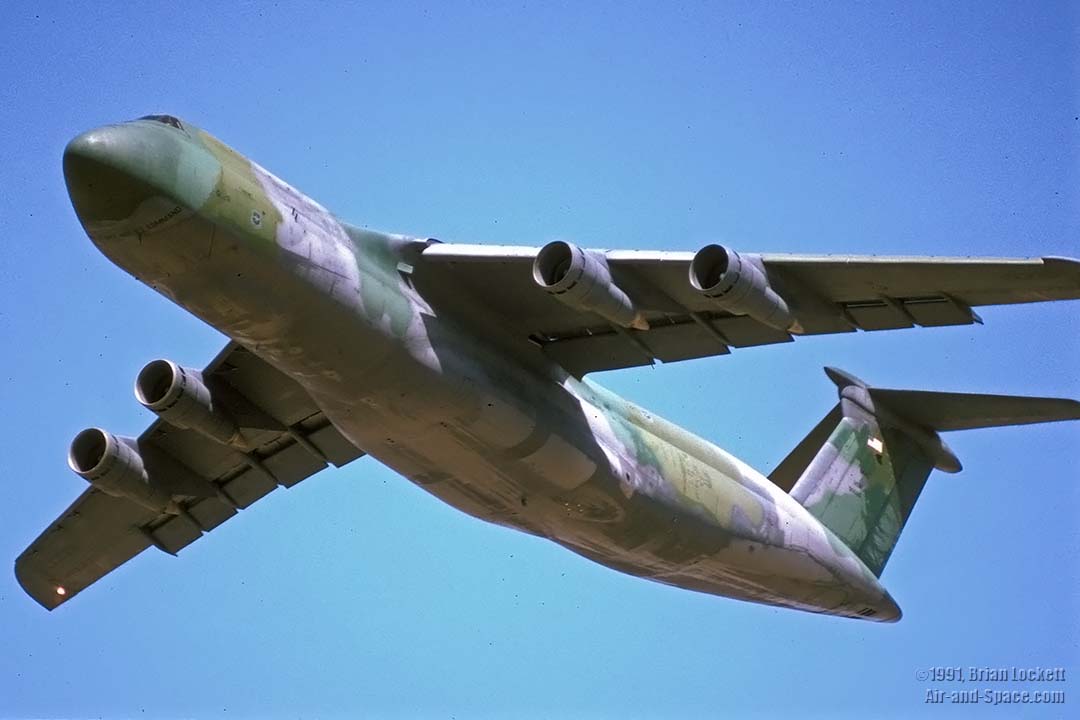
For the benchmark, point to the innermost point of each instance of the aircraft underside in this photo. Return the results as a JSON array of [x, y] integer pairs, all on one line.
[[448, 412], [599, 516], [462, 368]]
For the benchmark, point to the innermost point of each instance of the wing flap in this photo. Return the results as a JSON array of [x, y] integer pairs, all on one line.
[[674, 339], [175, 534], [208, 513]]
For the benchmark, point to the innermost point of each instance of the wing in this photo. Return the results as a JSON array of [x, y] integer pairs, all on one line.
[[828, 294], [289, 439]]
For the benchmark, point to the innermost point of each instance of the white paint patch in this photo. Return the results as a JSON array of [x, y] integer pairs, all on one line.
[[308, 232], [604, 436]]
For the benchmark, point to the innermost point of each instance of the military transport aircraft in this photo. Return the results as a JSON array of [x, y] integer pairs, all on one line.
[[462, 367]]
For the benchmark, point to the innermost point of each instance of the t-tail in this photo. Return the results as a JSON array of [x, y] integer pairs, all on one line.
[[861, 469]]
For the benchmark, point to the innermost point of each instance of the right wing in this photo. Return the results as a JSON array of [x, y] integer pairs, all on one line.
[[829, 294], [290, 440]]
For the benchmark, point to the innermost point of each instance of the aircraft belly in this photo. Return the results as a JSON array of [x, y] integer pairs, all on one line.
[[552, 470]]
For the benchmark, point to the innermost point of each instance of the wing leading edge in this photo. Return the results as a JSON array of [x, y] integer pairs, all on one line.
[[827, 294], [291, 441]]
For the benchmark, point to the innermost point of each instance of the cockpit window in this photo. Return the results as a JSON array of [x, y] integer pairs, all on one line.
[[166, 119]]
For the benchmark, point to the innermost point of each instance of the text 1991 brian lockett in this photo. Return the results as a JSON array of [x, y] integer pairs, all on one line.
[[985, 673]]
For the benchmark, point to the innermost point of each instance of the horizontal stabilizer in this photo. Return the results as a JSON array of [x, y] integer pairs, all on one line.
[[944, 411], [964, 411]]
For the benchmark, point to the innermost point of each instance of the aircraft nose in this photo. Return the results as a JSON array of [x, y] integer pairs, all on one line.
[[112, 171], [104, 172]]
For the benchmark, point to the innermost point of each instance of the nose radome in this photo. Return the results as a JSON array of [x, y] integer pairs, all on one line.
[[103, 169], [113, 170]]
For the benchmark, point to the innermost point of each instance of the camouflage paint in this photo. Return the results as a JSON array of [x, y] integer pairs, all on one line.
[[238, 198], [863, 484], [494, 429]]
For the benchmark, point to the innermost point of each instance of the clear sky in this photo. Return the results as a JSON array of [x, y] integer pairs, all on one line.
[[946, 128]]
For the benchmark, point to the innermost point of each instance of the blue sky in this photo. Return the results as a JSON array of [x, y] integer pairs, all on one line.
[[915, 128]]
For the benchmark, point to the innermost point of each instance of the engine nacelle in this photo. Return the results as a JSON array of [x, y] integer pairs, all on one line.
[[583, 281], [179, 396], [114, 466], [738, 286]]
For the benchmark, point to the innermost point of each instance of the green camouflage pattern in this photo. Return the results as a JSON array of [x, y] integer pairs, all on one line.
[[861, 493], [474, 417]]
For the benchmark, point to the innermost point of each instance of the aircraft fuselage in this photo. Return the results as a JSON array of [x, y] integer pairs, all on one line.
[[465, 411]]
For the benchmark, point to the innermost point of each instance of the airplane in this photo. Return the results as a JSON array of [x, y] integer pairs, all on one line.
[[463, 368]]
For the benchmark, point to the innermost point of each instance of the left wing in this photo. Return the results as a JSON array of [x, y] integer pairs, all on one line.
[[202, 482], [671, 319]]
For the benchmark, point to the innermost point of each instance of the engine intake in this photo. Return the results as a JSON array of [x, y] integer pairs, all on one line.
[[114, 466], [739, 286], [179, 396], [582, 280]]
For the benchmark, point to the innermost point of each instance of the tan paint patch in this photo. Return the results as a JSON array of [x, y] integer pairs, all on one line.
[[561, 464], [501, 424]]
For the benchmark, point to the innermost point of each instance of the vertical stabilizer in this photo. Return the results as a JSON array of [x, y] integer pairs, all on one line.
[[863, 482]]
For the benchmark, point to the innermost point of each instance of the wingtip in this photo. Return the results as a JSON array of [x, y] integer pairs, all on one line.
[[1073, 406], [1061, 264], [44, 593]]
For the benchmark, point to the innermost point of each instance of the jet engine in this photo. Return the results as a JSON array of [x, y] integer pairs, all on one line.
[[582, 280], [739, 286], [114, 466], [179, 396]]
